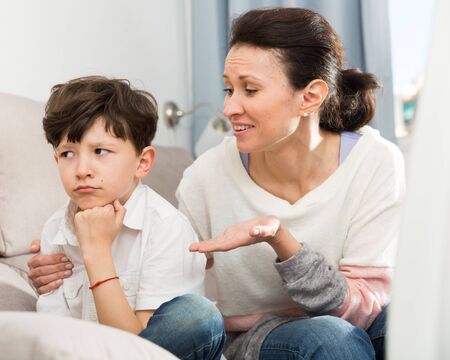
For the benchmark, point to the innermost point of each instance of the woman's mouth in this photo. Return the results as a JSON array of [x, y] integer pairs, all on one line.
[[241, 129]]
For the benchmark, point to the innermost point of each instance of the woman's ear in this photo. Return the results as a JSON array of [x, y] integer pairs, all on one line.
[[146, 159], [314, 95]]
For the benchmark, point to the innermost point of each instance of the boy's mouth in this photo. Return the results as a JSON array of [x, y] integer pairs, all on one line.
[[84, 189]]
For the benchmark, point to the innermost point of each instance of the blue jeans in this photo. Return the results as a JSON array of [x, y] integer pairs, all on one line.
[[376, 332], [189, 326], [322, 337]]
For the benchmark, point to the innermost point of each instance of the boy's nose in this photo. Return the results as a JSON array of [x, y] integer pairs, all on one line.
[[84, 169]]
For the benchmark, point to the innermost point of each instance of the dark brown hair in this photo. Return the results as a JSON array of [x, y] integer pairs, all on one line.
[[73, 107], [308, 48]]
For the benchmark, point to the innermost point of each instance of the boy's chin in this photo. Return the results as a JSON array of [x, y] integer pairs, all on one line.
[[90, 205]]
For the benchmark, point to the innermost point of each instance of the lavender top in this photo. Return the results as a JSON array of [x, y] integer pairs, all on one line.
[[348, 140]]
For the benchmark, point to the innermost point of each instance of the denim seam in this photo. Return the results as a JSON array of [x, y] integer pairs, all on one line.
[[377, 335], [278, 349], [204, 345]]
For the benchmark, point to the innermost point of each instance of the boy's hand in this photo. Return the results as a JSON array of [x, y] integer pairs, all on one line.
[[97, 228], [263, 228], [47, 271]]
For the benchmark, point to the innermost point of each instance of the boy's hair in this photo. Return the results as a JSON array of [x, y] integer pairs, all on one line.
[[73, 107]]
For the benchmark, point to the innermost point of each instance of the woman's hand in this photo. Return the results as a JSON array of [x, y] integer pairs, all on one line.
[[97, 228], [46, 272], [264, 228]]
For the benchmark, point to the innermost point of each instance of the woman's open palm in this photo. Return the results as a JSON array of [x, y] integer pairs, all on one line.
[[247, 233]]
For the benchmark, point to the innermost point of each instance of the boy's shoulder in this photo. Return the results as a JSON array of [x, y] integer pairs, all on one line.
[[154, 206]]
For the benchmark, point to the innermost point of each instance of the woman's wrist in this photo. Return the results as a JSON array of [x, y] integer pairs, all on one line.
[[284, 244]]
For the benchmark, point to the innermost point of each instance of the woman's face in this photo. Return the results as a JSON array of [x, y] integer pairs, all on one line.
[[259, 102]]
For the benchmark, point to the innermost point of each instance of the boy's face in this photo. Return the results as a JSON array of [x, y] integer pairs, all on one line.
[[100, 168]]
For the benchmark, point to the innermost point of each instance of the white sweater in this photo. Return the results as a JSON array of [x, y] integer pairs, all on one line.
[[351, 218]]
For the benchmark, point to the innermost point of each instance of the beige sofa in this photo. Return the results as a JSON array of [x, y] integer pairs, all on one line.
[[29, 192]]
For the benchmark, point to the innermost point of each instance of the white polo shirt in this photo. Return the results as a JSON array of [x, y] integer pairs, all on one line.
[[150, 255]]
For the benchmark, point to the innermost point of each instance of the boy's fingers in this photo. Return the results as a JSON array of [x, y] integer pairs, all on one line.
[[120, 211]]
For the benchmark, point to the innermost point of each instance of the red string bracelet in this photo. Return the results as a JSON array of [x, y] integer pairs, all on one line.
[[98, 283]]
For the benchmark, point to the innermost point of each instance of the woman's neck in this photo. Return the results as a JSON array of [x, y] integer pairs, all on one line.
[[298, 165]]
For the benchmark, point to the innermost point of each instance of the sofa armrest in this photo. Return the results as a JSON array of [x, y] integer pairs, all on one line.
[[48, 337], [15, 292]]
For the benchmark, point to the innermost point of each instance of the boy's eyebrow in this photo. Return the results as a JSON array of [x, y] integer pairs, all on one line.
[[63, 146], [101, 144]]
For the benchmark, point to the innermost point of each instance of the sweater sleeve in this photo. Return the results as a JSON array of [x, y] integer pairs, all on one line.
[[359, 288], [312, 282]]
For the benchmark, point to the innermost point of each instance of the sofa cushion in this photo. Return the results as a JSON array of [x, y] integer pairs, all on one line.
[[49, 337], [168, 167], [30, 189], [15, 292], [18, 263]]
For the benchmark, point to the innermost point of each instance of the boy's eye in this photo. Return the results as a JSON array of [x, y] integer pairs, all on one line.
[[100, 151], [67, 154]]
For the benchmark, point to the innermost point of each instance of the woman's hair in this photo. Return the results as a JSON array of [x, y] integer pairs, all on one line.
[[308, 48], [73, 107]]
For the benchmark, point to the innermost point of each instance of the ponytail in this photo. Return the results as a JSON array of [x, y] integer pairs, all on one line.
[[352, 105]]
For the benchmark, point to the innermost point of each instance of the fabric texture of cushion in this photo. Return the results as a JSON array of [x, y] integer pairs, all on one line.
[[47, 337], [18, 263], [30, 189], [167, 171], [15, 293]]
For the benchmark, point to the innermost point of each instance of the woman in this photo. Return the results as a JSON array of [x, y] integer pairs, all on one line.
[[331, 185], [299, 211]]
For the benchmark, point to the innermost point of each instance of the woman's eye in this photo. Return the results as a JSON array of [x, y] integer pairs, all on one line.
[[67, 154], [228, 91], [100, 151], [250, 91]]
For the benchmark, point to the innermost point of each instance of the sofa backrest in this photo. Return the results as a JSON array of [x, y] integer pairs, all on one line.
[[29, 183], [30, 189]]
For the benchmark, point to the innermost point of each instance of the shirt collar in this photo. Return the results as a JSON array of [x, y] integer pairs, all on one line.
[[66, 231], [135, 205], [134, 218]]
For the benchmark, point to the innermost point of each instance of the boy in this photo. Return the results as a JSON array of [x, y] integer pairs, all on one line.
[[128, 246]]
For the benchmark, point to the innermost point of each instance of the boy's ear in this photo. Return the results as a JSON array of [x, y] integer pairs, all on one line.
[[314, 95], [146, 159]]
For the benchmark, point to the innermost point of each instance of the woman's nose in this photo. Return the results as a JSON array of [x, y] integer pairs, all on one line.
[[232, 106]]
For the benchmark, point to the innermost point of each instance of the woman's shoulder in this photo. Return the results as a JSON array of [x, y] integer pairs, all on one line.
[[378, 147], [378, 158]]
